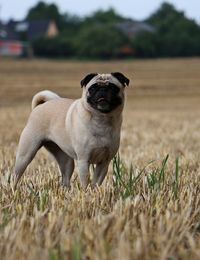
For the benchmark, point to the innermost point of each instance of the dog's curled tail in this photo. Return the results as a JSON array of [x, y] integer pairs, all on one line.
[[42, 97]]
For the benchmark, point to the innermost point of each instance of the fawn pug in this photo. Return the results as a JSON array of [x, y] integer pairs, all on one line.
[[86, 130]]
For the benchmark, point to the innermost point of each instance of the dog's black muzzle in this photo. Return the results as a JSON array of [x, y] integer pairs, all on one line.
[[104, 98]]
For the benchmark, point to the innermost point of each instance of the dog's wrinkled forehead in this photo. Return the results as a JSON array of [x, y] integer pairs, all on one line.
[[104, 79]]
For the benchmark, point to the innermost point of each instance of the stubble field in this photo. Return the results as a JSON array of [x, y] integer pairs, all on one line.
[[149, 204]]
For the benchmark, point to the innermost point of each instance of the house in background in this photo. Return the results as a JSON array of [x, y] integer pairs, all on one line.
[[35, 29], [132, 28], [10, 44], [16, 36]]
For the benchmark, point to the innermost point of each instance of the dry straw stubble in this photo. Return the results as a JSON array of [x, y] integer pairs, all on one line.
[[149, 210]]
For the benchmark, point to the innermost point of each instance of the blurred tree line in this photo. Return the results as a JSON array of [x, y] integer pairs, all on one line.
[[97, 37]]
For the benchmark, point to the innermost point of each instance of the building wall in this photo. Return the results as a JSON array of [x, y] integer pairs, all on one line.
[[11, 48], [52, 30]]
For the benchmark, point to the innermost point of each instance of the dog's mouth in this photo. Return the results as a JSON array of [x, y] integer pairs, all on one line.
[[101, 99], [103, 105]]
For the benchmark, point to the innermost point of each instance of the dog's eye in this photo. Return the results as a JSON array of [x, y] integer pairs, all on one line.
[[114, 88], [92, 88]]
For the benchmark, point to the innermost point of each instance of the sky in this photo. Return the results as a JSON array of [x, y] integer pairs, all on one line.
[[139, 10]]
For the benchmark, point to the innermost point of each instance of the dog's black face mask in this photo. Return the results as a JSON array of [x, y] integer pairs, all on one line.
[[104, 98]]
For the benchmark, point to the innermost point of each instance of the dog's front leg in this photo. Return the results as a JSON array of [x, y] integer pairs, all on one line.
[[83, 171], [100, 173]]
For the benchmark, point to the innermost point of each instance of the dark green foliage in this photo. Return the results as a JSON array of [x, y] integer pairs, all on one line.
[[156, 178], [101, 17], [175, 184], [53, 47], [99, 42], [43, 11], [71, 25], [146, 45], [92, 37], [96, 36], [126, 181], [175, 35]]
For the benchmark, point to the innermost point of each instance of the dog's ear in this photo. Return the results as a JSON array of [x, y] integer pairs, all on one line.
[[122, 79], [87, 79]]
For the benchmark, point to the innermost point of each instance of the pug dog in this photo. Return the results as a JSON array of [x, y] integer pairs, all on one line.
[[86, 130]]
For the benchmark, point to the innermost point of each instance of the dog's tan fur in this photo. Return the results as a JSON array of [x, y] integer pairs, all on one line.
[[71, 130]]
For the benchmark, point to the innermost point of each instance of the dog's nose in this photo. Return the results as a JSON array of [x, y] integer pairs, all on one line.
[[104, 89]]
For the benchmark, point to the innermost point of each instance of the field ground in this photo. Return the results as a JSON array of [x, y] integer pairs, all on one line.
[[153, 216]]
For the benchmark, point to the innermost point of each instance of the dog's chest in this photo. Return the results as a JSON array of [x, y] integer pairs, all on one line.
[[103, 144], [99, 154]]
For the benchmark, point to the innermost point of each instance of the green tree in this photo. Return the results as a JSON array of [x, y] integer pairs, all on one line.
[[43, 10], [96, 36], [100, 42], [146, 45], [176, 35], [53, 47], [102, 17], [71, 25]]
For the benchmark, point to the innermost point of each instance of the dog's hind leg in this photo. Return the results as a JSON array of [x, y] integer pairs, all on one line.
[[29, 144], [65, 163]]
